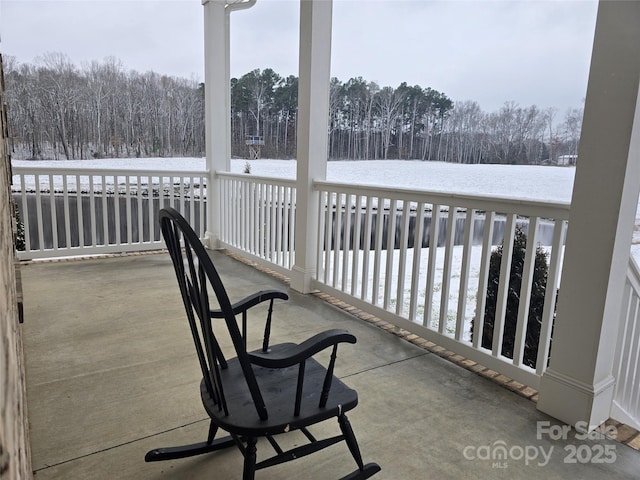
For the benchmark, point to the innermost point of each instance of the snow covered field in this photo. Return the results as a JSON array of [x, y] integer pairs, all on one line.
[[516, 181]]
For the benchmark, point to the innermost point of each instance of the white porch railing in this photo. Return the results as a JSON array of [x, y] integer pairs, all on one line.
[[434, 290], [626, 402], [434, 282], [416, 259], [258, 218], [68, 211]]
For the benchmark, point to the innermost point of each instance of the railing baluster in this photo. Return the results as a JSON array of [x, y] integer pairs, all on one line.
[[39, 223], [272, 223], [328, 248], [337, 244], [263, 220], [105, 212], [415, 270], [242, 198], [192, 205], [366, 247], [346, 244], [54, 216], [253, 218], [225, 209], [391, 241], [150, 209], [404, 232], [446, 270], [246, 217], [321, 268], [630, 308], [483, 279], [203, 205], [356, 246], [632, 377], [182, 199], [232, 200], [469, 226], [525, 291], [503, 285], [129, 200], [279, 222], [434, 232], [375, 300], [67, 215], [116, 209], [92, 202], [291, 222], [141, 216], [81, 241], [631, 360]]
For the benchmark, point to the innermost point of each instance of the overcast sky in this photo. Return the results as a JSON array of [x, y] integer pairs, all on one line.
[[531, 52]]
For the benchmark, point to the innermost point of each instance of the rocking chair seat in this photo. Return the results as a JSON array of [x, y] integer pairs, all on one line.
[[278, 387]]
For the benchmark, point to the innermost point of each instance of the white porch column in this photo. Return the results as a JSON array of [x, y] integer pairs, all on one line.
[[578, 385], [313, 121], [216, 78], [217, 103]]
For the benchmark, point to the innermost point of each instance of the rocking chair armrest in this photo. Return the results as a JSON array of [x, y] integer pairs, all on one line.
[[296, 354], [251, 301]]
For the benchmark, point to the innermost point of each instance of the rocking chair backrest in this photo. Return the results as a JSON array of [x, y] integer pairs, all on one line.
[[196, 276]]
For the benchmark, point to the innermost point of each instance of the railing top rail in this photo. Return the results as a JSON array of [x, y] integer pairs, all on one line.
[[22, 170], [285, 182], [501, 204]]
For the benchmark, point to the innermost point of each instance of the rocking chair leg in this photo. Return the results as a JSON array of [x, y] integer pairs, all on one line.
[[213, 429], [350, 438], [250, 459]]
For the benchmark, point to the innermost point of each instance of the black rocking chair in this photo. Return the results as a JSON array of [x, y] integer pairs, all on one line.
[[271, 391]]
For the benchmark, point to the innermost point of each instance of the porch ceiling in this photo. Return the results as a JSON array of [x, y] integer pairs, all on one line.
[[112, 374]]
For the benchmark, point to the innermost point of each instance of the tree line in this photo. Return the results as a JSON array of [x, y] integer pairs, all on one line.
[[62, 111]]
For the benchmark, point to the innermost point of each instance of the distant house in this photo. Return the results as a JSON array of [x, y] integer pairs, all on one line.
[[567, 159]]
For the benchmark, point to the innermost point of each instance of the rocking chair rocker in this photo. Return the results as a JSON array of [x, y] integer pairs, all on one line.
[[274, 390]]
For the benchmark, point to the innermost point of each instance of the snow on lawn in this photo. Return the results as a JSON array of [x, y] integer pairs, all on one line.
[[552, 184]]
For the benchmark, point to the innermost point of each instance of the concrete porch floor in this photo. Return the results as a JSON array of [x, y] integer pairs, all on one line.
[[112, 373]]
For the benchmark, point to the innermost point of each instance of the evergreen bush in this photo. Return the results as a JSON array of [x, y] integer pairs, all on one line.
[[536, 306], [19, 240]]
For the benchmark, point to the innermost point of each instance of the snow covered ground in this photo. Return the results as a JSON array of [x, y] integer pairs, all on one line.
[[526, 182]]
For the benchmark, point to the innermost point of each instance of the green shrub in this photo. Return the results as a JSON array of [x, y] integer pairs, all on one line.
[[538, 287], [19, 240]]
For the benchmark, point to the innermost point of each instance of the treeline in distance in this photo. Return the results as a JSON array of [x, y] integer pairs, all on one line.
[[62, 111]]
